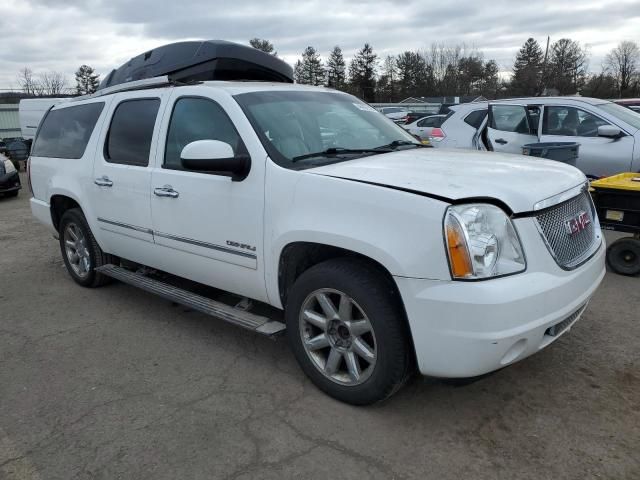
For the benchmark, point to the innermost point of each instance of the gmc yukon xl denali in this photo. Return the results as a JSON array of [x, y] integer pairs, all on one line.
[[375, 254]]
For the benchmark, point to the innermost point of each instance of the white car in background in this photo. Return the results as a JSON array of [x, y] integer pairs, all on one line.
[[608, 134], [397, 114], [424, 127]]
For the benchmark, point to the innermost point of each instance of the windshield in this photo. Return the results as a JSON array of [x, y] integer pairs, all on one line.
[[622, 113], [300, 129]]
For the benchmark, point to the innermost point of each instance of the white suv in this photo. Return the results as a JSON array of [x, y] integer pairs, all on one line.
[[382, 253]]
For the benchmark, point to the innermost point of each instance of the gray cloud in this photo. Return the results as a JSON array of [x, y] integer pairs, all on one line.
[[62, 34]]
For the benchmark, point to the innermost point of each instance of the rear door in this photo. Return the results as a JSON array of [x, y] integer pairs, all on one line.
[[511, 126], [597, 156], [122, 174]]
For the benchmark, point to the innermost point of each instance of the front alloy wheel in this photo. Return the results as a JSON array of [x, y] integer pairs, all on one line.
[[338, 336], [347, 329]]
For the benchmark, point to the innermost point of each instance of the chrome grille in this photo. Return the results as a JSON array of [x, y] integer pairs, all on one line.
[[569, 250]]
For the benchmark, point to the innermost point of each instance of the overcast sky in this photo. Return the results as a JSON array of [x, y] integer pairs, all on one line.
[[63, 34]]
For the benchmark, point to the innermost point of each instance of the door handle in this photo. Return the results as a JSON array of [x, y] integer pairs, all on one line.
[[166, 191], [501, 141], [103, 181]]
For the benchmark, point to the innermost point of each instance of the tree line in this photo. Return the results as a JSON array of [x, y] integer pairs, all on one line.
[[442, 70], [48, 84]]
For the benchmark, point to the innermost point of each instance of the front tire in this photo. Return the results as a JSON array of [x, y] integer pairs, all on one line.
[[80, 250], [347, 330]]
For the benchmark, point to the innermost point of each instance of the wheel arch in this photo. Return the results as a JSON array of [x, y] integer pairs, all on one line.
[[59, 203]]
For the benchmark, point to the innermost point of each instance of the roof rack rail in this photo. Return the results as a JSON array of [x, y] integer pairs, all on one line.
[[124, 87]]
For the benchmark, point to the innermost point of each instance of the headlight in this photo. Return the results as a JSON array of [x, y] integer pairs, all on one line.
[[8, 166], [481, 242]]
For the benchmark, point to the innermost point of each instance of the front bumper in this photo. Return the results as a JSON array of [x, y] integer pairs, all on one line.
[[10, 182], [464, 329]]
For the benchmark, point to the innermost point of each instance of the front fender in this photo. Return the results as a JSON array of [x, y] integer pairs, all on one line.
[[400, 230]]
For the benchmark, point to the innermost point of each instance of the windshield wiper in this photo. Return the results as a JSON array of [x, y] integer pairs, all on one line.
[[339, 151], [400, 143]]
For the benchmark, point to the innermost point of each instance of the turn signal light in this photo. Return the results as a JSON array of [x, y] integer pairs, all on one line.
[[458, 252]]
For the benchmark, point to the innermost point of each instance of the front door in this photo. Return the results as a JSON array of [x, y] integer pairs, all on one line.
[[122, 174], [208, 227], [597, 156], [511, 126]]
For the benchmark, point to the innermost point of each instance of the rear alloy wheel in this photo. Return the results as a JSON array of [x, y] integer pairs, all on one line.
[[80, 250], [346, 327]]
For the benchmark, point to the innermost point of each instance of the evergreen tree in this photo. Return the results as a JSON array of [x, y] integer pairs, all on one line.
[[527, 70], [263, 45], [414, 75], [86, 80], [309, 70], [335, 69], [362, 73]]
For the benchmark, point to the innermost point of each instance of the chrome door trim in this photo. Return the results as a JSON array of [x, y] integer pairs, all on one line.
[[126, 225], [211, 246]]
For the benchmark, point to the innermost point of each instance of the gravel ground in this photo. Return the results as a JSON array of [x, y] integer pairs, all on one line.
[[115, 383]]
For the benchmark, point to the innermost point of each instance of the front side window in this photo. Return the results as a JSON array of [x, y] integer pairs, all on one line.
[[300, 129], [197, 119], [65, 132], [131, 131], [571, 122]]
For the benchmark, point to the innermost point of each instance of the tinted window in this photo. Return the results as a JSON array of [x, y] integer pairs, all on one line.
[[509, 118], [130, 133], [475, 118], [65, 132], [570, 121], [197, 119], [431, 122]]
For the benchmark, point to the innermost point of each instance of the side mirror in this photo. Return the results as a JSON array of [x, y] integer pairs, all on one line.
[[609, 131], [216, 157]]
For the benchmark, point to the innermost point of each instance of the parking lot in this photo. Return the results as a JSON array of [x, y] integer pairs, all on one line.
[[116, 383]]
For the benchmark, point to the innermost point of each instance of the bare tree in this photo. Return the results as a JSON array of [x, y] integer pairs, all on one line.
[[27, 82], [623, 62], [52, 83]]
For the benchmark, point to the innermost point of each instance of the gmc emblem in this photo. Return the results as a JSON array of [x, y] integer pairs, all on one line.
[[577, 224]]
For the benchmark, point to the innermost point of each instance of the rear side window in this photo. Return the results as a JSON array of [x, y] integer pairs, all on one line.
[[509, 118], [475, 118], [65, 132], [129, 138]]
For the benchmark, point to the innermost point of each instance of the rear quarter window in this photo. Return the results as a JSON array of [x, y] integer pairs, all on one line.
[[475, 118], [65, 132]]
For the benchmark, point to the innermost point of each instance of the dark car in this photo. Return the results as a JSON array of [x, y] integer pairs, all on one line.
[[3, 147], [9, 178]]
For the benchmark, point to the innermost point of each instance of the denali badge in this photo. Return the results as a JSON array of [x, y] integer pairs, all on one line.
[[577, 224]]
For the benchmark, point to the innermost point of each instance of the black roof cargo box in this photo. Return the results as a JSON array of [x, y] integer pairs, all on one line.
[[202, 60]]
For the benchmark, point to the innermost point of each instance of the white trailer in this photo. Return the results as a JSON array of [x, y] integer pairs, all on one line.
[[31, 111]]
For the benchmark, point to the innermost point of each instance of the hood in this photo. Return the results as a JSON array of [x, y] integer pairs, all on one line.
[[451, 175]]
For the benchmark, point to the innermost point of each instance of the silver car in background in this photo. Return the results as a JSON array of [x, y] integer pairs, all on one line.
[[608, 134], [423, 127]]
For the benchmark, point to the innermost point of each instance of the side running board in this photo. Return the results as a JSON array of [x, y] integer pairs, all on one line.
[[205, 305]]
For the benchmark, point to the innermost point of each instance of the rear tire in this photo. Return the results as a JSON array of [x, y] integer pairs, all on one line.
[[80, 250], [623, 256], [12, 194], [347, 329]]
